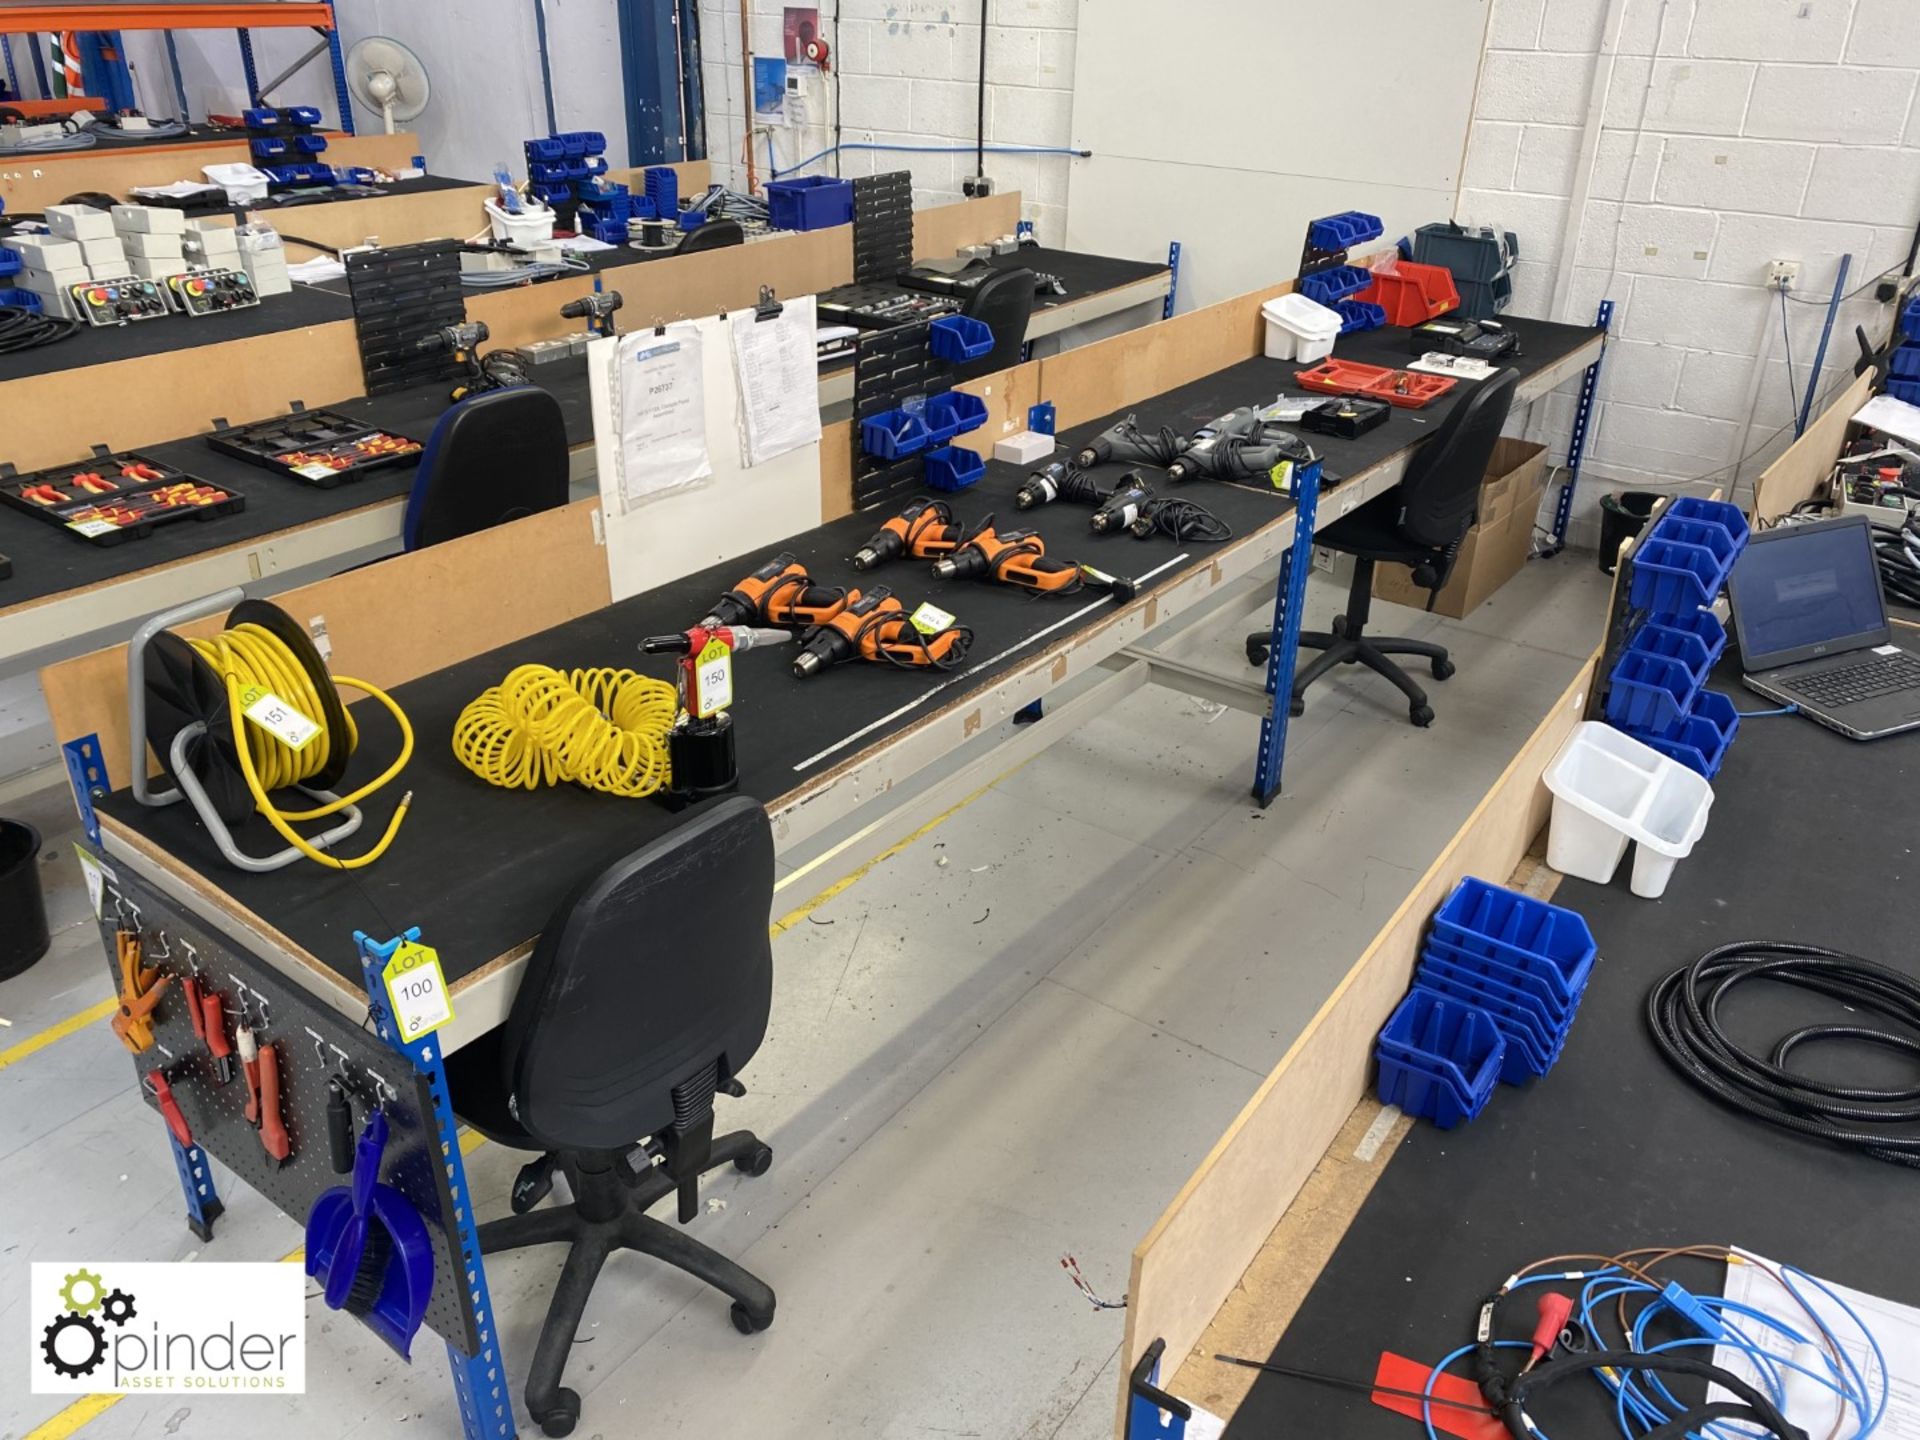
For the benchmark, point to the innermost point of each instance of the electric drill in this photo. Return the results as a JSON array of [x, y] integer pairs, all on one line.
[[1127, 444], [924, 530], [1059, 480], [875, 626], [1198, 459], [780, 592], [1020, 558], [596, 309], [1124, 504], [1249, 457]]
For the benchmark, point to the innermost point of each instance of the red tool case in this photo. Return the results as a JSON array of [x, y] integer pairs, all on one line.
[[1408, 389]]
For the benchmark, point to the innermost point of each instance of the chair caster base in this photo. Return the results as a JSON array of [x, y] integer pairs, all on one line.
[[561, 1416], [1443, 669], [532, 1185], [755, 1162], [1296, 708], [746, 1322], [1421, 715]]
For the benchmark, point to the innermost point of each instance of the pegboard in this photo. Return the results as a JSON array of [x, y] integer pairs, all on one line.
[[315, 1043]]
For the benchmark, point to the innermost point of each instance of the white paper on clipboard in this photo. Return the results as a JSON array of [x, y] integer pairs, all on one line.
[[779, 379], [659, 413]]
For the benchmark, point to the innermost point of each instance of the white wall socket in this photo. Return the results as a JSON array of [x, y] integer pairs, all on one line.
[[1783, 274]]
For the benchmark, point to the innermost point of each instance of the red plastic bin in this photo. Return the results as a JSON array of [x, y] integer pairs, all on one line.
[[1408, 389], [1413, 294]]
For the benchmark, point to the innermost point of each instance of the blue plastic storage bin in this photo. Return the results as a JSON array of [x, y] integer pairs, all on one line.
[[1517, 1012], [1348, 228], [1700, 739], [1550, 993], [893, 433], [1670, 578], [954, 412], [1723, 513], [1483, 299], [1650, 692], [1325, 287], [663, 189], [1907, 390], [19, 299], [544, 150], [813, 202], [952, 468], [1359, 315], [1910, 319], [1439, 1059], [1543, 940], [959, 338], [1474, 256], [10, 262], [1904, 362]]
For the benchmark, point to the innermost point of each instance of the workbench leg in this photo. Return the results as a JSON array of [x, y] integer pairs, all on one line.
[[247, 64], [479, 1379], [340, 91], [87, 773], [1577, 445], [196, 1183], [1289, 598], [1173, 280]]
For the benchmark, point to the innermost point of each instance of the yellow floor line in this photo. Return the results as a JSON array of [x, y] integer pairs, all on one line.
[[33, 1043]]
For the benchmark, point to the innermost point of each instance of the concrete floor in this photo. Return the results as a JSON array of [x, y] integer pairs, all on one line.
[[1010, 1041]]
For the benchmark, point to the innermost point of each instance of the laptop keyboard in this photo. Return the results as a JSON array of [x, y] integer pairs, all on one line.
[[1882, 675]]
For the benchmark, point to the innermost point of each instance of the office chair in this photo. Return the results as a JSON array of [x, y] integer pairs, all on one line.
[[712, 235], [1420, 524], [493, 457], [642, 1000], [1005, 301]]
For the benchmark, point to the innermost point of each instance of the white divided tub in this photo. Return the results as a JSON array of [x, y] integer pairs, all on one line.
[[1609, 790]]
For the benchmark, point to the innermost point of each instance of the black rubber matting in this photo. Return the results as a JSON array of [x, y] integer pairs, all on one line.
[[47, 561], [1810, 839], [480, 869]]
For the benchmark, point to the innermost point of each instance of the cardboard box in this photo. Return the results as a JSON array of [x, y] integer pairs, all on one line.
[[151, 246], [148, 220], [79, 222], [1498, 544], [215, 240]]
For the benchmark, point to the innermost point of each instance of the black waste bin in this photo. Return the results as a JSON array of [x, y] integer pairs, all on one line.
[[23, 906], [1623, 515]]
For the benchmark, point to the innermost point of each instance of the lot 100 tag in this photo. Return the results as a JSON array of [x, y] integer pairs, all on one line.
[[417, 990]]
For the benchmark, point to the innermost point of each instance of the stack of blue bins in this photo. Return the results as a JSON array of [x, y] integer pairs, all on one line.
[[1335, 287], [1657, 689], [1495, 995], [1903, 364]]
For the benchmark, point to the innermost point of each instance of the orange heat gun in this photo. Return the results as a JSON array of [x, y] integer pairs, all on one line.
[[779, 593], [925, 530], [1019, 557], [875, 626]]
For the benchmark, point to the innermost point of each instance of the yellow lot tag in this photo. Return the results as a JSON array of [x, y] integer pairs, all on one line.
[[417, 990], [713, 678], [277, 717], [929, 619]]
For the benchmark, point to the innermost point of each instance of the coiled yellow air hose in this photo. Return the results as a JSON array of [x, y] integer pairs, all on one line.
[[605, 729], [250, 655]]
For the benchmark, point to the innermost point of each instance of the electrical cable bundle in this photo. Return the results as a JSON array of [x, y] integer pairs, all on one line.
[[249, 656], [1181, 521], [1683, 1012], [1898, 552], [27, 329], [605, 729]]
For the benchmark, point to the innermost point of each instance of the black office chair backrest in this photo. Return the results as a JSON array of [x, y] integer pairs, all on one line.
[[650, 973], [712, 235], [1004, 301], [1442, 484], [493, 457]]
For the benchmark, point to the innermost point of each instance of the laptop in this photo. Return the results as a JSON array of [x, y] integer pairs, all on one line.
[[1812, 623]]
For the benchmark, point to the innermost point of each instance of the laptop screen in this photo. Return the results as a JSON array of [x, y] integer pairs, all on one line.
[[1802, 591]]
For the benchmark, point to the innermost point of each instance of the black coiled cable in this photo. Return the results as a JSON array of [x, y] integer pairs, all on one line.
[[1683, 1012], [1182, 521], [1898, 552], [1161, 448], [25, 330]]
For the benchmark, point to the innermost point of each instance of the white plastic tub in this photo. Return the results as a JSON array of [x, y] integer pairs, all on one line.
[[1299, 328], [532, 225], [1609, 790]]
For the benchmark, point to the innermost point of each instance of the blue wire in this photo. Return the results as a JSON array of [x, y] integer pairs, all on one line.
[[1763, 714], [1433, 1378], [796, 168]]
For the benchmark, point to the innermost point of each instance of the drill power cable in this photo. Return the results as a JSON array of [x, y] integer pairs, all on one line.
[[249, 655], [1684, 1014], [605, 729]]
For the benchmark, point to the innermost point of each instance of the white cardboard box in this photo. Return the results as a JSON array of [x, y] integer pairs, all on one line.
[[156, 268], [148, 220], [151, 246], [215, 240], [104, 257], [48, 252], [79, 222], [51, 282]]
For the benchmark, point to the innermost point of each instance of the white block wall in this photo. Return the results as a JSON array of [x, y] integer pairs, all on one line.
[[908, 75], [1735, 132]]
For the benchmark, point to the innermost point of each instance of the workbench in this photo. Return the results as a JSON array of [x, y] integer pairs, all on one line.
[[844, 761]]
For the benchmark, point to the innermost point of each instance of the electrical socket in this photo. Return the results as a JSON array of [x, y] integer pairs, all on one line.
[[976, 187], [1783, 274]]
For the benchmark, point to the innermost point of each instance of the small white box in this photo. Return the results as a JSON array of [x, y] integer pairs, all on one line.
[[148, 220], [156, 268], [215, 239], [46, 252], [79, 222], [152, 246], [102, 256], [1029, 447], [51, 282]]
